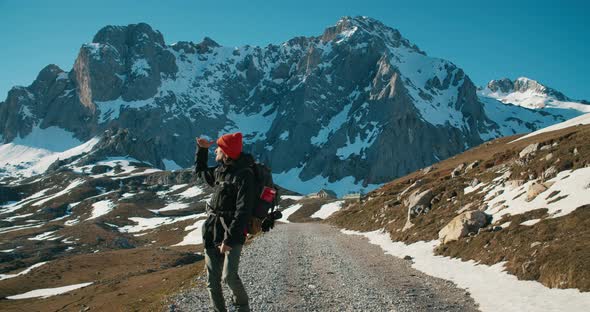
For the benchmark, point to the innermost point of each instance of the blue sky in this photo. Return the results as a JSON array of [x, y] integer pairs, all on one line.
[[545, 40]]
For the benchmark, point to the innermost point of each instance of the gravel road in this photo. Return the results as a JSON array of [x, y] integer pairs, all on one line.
[[314, 267]]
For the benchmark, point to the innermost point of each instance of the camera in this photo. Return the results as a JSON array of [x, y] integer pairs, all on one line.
[[269, 222]]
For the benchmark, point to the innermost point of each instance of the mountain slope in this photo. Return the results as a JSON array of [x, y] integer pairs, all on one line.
[[519, 203], [346, 110]]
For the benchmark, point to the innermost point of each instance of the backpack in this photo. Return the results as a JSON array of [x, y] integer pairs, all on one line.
[[267, 198]]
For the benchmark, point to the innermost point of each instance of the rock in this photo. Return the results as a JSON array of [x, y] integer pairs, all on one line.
[[457, 171], [549, 173], [472, 165], [408, 257], [534, 190], [529, 150], [428, 169], [462, 225], [417, 183], [549, 157], [435, 199], [419, 198], [391, 203], [418, 203], [98, 169], [122, 243]]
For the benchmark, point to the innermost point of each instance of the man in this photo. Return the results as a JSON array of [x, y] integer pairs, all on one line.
[[224, 231]]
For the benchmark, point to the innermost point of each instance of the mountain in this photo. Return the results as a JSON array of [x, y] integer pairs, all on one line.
[[131, 233], [346, 110], [531, 94]]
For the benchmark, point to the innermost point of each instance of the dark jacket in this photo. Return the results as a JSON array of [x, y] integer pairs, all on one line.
[[233, 199]]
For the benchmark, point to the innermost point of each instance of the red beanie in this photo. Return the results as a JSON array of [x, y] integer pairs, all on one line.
[[231, 144]]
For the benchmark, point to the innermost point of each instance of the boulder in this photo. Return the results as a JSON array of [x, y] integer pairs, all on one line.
[[549, 173], [549, 157], [529, 150], [418, 203], [418, 198], [462, 225], [457, 171]]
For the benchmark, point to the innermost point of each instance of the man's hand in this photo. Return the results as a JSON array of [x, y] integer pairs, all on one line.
[[204, 143], [223, 248]]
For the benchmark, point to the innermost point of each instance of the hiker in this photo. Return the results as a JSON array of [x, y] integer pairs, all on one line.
[[224, 231]]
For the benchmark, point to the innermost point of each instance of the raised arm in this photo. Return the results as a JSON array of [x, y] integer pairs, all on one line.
[[201, 169]]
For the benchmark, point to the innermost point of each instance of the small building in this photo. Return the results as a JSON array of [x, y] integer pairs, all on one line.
[[323, 193]]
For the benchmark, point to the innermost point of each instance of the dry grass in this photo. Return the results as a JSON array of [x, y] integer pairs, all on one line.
[[125, 280], [562, 262]]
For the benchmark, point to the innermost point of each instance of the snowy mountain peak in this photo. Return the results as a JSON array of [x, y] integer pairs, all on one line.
[[524, 85], [530, 93], [346, 99], [128, 35], [360, 29]]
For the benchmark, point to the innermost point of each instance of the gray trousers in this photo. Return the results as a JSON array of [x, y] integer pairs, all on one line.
[[225, 267]]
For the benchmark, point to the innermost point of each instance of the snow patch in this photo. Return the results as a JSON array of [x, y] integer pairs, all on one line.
[[568, 183], [101, 208], [140, 68], [328, 209], [334, 124], [490, 286], [195, 237], [191, 192], [580, 120], [48, 292], [171, 206], [289, 211], [25, 271], [143, 224], [68, 188]]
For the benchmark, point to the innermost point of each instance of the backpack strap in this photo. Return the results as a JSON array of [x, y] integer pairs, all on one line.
[[243, 169]]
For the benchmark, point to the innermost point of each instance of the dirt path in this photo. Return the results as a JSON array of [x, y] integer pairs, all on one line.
[[314, 267]]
